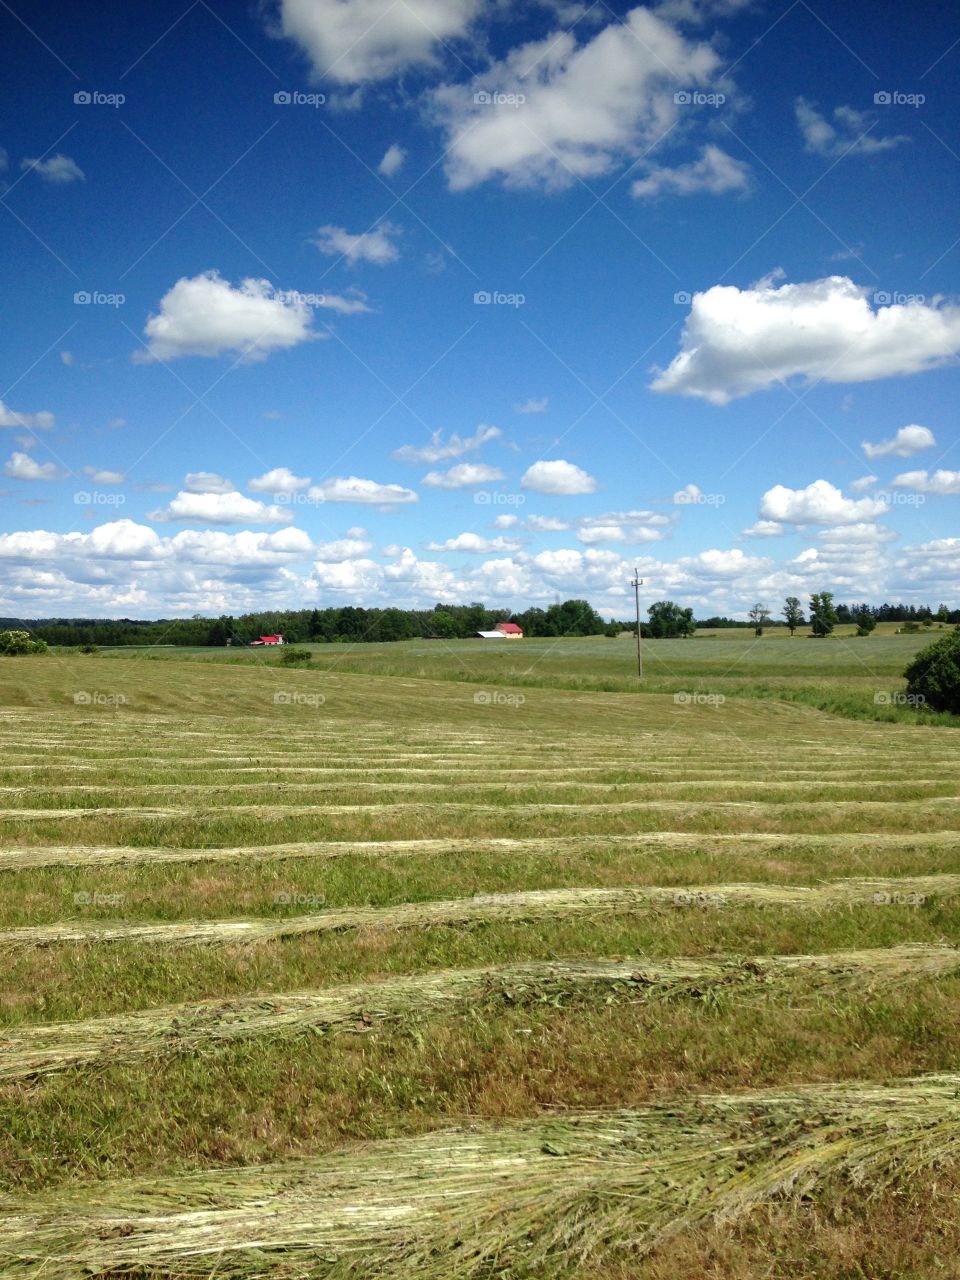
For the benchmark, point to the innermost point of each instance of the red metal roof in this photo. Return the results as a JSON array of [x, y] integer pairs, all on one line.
[[510, 628]]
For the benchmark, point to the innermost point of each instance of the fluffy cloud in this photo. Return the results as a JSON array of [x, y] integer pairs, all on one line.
[[907, 441], [221, 508], [715, 173], [42, 421], [547, 524], [59, 169], [473, 543], [369, 246], [20, 466], [438, 451], [342, 549], [533, 406], [819, 503], [849, 134], [763, 529], [558, 477], [939, 482], [863, 483], [737, 341], [353, 41], [279, 480], [582, 108], [206, 482], [353, 489], [104, 477], [463, 475], [206, 316], [392, 161]]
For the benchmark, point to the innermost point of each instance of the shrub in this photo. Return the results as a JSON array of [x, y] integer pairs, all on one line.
[[89, 648], [295, 657], [14, 643], [934, 674]]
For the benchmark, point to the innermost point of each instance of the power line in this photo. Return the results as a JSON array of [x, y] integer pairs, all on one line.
[[637, 583]]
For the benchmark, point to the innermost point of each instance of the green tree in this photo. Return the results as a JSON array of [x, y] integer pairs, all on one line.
[[759, 615], [934, 674], [16, 643], [823, 616], [793, 612], [669, 620]]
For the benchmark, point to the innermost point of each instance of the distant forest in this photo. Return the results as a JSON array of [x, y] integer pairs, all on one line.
[[351, 625]]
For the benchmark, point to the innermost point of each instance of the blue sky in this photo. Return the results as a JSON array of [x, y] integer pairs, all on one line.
[[247, 360]]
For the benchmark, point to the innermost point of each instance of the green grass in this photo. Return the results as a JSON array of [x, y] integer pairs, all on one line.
[[184, 790]]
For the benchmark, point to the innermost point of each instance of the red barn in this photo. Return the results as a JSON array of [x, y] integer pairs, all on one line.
[[269, 640], [510, 630]]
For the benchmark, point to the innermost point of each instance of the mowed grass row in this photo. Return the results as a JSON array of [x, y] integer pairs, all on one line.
[[383, 1028]]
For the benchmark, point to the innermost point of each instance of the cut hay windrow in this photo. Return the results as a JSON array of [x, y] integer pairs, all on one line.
[[536, 904], [879, 809], [535, 1197], [41, 1049], [75, 855]]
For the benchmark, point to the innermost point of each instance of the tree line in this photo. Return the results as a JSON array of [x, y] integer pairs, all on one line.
[[350, 624]]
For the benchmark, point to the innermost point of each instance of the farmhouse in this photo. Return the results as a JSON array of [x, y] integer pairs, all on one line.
[[503, 631], [268, 640]]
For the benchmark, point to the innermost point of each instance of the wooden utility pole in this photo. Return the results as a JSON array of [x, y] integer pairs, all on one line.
[[637, 583]]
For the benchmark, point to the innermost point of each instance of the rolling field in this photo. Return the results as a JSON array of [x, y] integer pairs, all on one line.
[[462, 960]]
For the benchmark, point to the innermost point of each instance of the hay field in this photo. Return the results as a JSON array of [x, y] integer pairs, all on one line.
[[342, 972]]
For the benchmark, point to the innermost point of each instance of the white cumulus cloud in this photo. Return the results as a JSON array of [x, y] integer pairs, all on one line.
[[42, 421], [558, 477], [221, 508], [737, 341], [58, 169], [819, 503], [206, 482], [20, 466], [206, 315], [938, 482], [354, 489], [354, 41], [584, 107], [279, 480], [374, 246], [463, 475], [907, 442], [392, 161], [474, 543], [714, 174], [850, 133]]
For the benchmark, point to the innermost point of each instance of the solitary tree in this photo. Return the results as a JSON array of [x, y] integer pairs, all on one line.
[[14, 643], [933, 677], [823, 616], [759, 615], [668, 620], [793, 612]]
